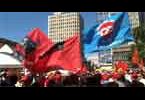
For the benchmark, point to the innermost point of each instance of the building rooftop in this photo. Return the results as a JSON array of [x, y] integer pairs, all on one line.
[[6, 48], [57, 13], [6, 41]]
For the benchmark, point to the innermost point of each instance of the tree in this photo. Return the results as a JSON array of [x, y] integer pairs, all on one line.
[[139, 34]]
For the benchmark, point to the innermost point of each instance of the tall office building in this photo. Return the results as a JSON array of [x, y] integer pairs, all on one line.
[[101, 16], [134, 19], [62, 25], [142, 17]]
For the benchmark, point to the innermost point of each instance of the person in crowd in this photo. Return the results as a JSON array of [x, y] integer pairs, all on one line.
[[122, 82], [3, 79], [104, 78], [131, 78], [9, 79], [82, 80], [128, 77], [94, 81], [136, 83], [112, 84], [58, 78], [141, 79], [26, 80]]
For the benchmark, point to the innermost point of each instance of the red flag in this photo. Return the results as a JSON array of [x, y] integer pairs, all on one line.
[[37, 35], [43, 44], [20, 49], [135, 57], [82, 70], [71, 55], [68, 58], [42, 41]]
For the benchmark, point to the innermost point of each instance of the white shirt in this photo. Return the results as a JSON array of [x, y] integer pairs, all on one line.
[[142, 80], [128, 77]]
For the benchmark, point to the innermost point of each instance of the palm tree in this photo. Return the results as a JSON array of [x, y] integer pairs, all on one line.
[[139, 34]]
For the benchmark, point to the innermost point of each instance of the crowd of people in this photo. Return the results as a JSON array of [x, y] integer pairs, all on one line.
[[131, 78]]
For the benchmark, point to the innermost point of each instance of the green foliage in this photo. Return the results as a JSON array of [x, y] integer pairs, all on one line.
[[139, 35]]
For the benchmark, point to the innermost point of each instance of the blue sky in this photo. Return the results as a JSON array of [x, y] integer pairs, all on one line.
[[15, 25]]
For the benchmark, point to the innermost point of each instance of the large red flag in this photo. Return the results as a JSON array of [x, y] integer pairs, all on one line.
[[32, 60], [135, 57], [68, 58], [42, 41], [71, 55]]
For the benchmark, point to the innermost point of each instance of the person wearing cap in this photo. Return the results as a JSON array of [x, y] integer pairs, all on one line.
[[104, 78], [128, 77], [141, 79], [134, 76], [58, 78], [115, 75], [26, 80]]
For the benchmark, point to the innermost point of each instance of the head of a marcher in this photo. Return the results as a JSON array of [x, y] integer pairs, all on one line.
[[26, 80], [121, 78], [94, 80], [136, 83], [11, 77], [112, 84], [74, 79], [57, 78], [67, 81], [134, 76]]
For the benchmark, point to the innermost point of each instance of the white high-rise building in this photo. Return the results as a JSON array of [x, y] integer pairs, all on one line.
[[134, 19], [101, 16], [62, 25]]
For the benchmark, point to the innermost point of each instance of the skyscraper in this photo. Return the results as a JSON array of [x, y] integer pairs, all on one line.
[[101, 16], [142, 17], [62, 25], [134, 19]]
